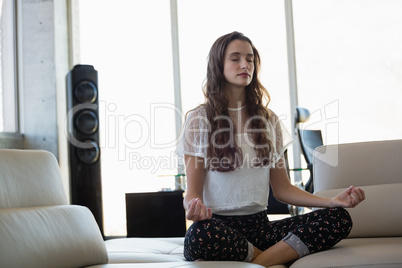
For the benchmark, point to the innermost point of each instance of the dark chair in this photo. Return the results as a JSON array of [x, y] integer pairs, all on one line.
[[276, 207], [309, 140]]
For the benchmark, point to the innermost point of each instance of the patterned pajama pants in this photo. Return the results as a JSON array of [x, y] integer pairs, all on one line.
[[229, 238]]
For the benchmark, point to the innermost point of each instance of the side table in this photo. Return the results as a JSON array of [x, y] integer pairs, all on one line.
[[155, 214]]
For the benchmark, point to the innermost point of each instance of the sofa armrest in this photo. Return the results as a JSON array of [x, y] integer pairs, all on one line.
[[56, 236]]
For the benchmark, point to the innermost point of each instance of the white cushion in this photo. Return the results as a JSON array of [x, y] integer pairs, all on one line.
[[30, 178], [379, 215], [374, 166], [157, 252], [201, 264], [57, 236], [145, 250], [364, 163]]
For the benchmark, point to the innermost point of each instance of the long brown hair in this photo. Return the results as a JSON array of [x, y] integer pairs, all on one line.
[[216, 105]]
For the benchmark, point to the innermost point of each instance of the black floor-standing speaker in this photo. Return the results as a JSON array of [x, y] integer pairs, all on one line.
[[83, 137]]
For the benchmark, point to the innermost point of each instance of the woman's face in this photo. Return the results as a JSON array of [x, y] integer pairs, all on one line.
[[238, 67]]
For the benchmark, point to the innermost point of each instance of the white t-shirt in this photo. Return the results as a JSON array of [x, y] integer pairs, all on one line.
[[245, 190]]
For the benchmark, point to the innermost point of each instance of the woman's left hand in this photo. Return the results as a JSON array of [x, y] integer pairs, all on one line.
[[348, 198]]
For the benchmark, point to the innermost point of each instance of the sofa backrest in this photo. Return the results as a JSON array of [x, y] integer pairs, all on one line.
[[364, 163], [37, 226], [374, 166], [30, 178]]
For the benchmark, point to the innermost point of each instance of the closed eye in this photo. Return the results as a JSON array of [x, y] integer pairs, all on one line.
[[250, 59]]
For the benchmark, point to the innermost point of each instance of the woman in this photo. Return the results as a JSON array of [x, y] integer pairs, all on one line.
[[233, 149]]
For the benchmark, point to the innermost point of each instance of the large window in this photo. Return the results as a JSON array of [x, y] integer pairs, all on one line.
[[8, 108], [202, 22], [349, 66], [129, 43]]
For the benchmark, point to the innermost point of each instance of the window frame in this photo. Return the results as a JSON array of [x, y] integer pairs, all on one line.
[[10, 91]]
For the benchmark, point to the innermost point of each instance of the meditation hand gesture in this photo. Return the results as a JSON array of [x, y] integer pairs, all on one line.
[[197, 211], [348, 198]]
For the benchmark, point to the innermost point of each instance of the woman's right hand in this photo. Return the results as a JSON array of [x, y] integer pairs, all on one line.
[[198, 211]]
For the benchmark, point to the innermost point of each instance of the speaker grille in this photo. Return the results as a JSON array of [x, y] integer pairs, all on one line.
[[85, 92], [89, 155], [86, 122]]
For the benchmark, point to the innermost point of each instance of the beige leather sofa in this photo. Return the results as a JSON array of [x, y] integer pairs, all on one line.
[[39, 229]]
